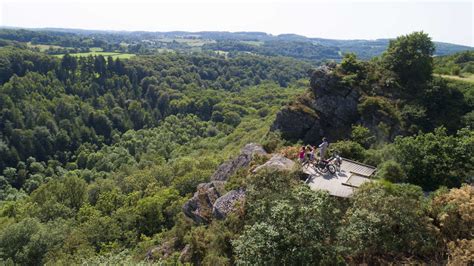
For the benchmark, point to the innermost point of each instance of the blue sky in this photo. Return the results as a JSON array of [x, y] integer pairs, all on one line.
[[445, 21]]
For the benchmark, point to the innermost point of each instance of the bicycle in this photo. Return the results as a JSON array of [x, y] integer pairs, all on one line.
[[321, 166]]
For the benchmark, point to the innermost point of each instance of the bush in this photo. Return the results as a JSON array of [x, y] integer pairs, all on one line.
[[392, 171], [348, 149], [272, 141], [290, 152], [362, 135], [385, 220]]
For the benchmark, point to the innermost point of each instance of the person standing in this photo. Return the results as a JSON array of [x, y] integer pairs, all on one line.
[[312, 150], [323, 148], [302, 154]]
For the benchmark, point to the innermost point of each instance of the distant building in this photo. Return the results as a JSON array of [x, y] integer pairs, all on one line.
[[343, 183]]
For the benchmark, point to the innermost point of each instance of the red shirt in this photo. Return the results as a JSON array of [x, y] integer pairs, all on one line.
[[302, 154]]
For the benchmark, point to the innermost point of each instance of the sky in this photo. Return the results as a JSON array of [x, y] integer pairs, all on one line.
[[446, 21]]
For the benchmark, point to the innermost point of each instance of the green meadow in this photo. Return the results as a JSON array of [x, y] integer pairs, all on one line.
[[114, 55], [465, 77]]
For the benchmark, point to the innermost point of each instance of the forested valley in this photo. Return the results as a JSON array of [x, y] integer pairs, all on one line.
[[99, 154]]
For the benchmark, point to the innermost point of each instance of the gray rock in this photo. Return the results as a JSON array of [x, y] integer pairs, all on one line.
[[199, 207], [330, 110], [227, 169], [278, 162], [162, 251], [186, 254], [227, 203]]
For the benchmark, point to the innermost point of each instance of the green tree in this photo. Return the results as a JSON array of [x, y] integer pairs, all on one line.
[[297, 229], [386, 220], [436, 159], [362, 135], [410, 56]]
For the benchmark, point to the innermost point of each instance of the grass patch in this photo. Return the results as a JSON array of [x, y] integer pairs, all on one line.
[[96, 49], [254, 43], [465, 77], [43, 47], [114, 55], [191, 42]]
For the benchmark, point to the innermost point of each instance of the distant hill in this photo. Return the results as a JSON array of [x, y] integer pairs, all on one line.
[[143, 42]]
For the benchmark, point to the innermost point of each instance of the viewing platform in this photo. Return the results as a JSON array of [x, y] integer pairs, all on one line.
[[344, 182]]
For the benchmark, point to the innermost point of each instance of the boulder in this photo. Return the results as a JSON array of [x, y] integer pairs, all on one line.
[[199, 207], [278, 162], [227, 169], [228, 203]]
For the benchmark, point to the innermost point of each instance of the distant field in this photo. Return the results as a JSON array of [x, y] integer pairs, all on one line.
[[93, 51], [105, 54], [43, 47], [224, 53], [96, 49], [467, 78], [190, 42], [255, 43]]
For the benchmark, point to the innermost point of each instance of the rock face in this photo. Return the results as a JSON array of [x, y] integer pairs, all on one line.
[[210, 200], [199, 207], [228, 203], [278, 162], [330, 111], [225, 170], [207, 202]]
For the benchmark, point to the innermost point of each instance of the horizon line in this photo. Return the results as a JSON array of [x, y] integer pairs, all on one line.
[[223, 31]]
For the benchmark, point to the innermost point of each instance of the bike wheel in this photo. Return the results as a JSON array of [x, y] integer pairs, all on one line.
[[331, 168], [323, 169]]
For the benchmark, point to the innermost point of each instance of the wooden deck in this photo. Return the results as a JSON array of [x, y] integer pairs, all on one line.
[[342, 184]]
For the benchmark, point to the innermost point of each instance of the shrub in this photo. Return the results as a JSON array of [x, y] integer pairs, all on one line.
[[362, 135], [392, 171], [272, 141], [348, 149]]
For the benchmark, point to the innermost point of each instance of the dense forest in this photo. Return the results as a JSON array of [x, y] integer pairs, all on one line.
[[98, 154]]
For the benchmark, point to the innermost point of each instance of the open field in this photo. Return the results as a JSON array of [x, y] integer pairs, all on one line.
[[190, 42], [466, 77], [255, 43], [105, 54], [43, 47]]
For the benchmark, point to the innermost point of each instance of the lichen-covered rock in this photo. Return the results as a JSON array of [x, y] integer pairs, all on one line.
[[228, 203], [329, 111], [199, 207], [162, 251], [227, 169], [278, 163], [186, 254]]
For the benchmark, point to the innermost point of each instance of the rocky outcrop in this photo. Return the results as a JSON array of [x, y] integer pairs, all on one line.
[[210, 201], [199, 207], [186, 254], [277, 163], [228, 203], [330, 110], [163, 251], [227, 169], [207, 202]]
